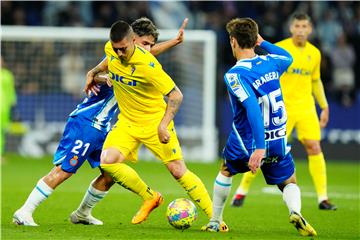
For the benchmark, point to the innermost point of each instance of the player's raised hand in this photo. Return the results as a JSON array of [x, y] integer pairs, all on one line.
[[259, 40], [324, 117], [90, 85], [255, 159], [180, 36], [163, 133]]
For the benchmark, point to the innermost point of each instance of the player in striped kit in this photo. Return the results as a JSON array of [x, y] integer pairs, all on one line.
[[258, 136], [301, 84], [83, 138]]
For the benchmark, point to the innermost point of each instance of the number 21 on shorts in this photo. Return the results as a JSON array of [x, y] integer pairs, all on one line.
[[80, 147]]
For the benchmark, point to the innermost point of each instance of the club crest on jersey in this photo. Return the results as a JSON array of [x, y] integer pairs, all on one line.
[[74, 160], [121, 79], [133, 68], [233, 80]]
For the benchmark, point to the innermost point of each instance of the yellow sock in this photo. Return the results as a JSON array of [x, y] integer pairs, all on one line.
[[129, 179], [245, 183], [197, 191], [317, 170]]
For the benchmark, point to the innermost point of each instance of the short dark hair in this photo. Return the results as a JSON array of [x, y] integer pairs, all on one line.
[[300, 16], [244, 30], [119, 30], [145, 27]]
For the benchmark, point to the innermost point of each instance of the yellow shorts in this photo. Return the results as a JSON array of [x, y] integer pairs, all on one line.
[[127, 138], [306, 124]]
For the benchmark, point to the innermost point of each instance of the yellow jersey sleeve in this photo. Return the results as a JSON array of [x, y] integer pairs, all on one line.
[[159, 78], [316, 71], [317, 86], [319, 93]]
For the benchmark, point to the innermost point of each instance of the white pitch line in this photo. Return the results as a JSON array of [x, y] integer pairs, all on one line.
[[276, 191]]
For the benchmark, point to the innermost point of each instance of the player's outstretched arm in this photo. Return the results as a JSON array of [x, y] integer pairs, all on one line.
[[163, 46], [175, 98], [255, 119], [91, 85]]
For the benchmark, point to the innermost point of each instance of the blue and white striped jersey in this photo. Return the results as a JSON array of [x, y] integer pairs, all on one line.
[[254, 91], [97, 111]]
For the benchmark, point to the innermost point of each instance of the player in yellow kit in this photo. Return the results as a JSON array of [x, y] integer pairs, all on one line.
[[140, 85], [300, 85]]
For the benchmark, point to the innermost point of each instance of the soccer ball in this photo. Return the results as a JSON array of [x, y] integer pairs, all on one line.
[[181, 213]]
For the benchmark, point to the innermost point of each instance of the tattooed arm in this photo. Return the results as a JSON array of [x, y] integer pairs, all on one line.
[[174, 101]]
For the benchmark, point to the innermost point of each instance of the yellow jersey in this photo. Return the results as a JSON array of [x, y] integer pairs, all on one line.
[[296, 82], [139, 86]]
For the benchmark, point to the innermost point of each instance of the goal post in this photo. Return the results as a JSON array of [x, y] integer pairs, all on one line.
[[47, 93]]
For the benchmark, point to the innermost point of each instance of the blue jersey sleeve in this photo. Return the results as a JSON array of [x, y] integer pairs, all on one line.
[[280, 55], [246, 96]]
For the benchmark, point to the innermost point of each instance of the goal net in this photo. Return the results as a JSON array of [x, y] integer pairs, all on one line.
[[50, 64]]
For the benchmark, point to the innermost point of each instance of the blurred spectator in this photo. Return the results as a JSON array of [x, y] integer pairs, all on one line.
[[19, 16], [329, 30], [50, 72], [8, 100], [169, 14], [72, 71], [51, 12], [6, 13], [71, 16], [343, 59], [105, 13]]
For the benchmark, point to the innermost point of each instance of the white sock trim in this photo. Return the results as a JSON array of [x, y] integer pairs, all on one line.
[[96, 192], [223, 180], [241, 191], [91, 198], [39, 194], [222, 187], [292, 197], [43, 188]]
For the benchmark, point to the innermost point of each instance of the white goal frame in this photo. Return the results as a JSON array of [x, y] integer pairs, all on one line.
[[209, 150]]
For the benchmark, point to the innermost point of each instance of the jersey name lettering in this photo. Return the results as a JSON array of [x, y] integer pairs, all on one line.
[[266, 78], [121, 79]]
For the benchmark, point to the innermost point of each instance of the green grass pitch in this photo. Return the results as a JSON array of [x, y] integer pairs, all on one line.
[[264, 215]]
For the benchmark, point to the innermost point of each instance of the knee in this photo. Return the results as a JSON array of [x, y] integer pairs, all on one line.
[[312, 147], [225, 171], [111, 155], [177, 168], [291, 179]]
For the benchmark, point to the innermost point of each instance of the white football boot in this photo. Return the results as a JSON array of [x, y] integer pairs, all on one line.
[[77, 218], [23, 218]]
